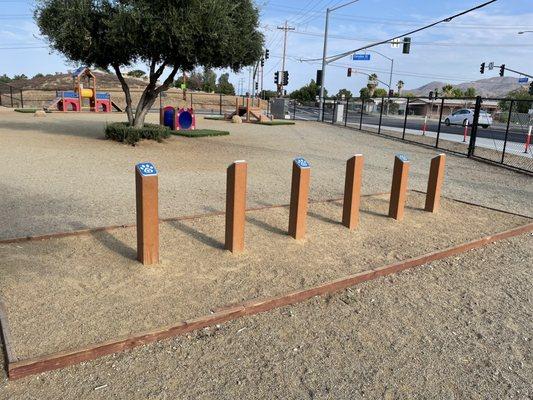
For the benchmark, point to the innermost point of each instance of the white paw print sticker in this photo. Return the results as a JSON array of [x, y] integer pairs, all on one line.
[[147, 169], [301, 162]]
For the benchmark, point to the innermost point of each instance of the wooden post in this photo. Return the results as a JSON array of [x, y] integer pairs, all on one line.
[[236, 206], [352, 191], [301, 172], [146, 182], [247, 109], [161, 116], [237, 106], [398, 194], [436, 177]]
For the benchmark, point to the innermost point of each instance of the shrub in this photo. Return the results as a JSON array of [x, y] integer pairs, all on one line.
[[122, 132]]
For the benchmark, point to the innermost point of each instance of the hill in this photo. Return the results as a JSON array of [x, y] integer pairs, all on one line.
[[490, 87], [104, 80]]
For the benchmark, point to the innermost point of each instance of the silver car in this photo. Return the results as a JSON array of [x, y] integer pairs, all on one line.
[[466, 116]]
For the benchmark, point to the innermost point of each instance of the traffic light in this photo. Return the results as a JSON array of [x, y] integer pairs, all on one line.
[[276, 77], [262, 62], [531, 88], [256, 85], [349, 72], [267, 54], [285, 78], [482, 68], [391, 93], [431, 95], [502, 70], [436, 93], [406, 45], [319, 77]]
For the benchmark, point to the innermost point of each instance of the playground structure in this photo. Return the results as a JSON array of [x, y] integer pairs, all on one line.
[[249, 112], [177, 119], [84, 97]]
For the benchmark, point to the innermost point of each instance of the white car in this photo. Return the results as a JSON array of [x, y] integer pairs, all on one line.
[[466, 115]]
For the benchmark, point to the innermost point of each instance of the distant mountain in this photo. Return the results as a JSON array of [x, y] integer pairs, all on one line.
[[491, 87]]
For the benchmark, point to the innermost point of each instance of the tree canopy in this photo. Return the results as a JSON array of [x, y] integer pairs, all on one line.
[[224, 85], [308, 92], [165, 35]]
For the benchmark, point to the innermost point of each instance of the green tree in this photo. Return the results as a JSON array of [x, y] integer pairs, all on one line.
[[447, 90], [38, 75], [20, 77], [137, 73], [379, 92], [307, 92], [165, 35], [519, 106], [5, 79], [343, 92], [364, 93], [470, 92], [209, 80], [372, 84], [456, 92], [400, 86], [224, 85]]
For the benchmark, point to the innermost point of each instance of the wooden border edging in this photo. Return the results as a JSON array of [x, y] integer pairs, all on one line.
[[20, 369]]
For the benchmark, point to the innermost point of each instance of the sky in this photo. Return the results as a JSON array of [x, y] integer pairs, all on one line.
[[451, 52]]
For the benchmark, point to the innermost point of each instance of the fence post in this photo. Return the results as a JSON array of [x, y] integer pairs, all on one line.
[[146, 183], [352, 191], [405, 119], [236, 206], [21, 99], [334, 111], [191, 101], [398, 191], [11, 94], [346, 112], [294, 111], [362, 108], [507, 129], [220, 104], [381, 113], [323, 111], [440, 122], [301, 172], [436, 177], [475, 123]]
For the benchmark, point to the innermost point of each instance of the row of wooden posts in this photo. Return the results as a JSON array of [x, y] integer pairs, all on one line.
[[147, 200]]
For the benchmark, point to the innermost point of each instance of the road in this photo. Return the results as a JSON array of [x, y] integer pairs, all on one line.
[[497, 131]]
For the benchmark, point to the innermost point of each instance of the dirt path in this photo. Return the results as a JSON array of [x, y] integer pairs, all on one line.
[[458, 328]]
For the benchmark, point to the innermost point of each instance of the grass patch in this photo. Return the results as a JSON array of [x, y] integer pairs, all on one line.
[[30, 110], [122, 132], [200, 133], [278, 122]]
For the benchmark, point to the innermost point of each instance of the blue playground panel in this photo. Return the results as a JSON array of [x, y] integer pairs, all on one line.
[[185, 120], [70, 94], [169, 117], [103, 96]]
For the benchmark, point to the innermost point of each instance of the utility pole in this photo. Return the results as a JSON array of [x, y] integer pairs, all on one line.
[[324, 55], [286, 28]]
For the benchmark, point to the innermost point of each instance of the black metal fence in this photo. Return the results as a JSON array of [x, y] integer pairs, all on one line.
[[11, 96], [492, 129]]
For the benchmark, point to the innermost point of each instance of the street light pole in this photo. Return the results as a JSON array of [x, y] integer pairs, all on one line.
[[324, 56], [522, 32]]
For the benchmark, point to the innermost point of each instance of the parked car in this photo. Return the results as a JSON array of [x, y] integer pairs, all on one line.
[[466, 115]]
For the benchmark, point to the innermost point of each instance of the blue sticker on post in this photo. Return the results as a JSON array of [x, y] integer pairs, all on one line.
[[301, 162], [147, 169], [402, 157]]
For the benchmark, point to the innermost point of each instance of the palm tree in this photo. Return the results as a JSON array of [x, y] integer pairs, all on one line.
[[447, 89], [372, 84], [400, 85]]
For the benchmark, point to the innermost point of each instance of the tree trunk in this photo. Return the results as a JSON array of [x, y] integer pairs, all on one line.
[[126, 90]]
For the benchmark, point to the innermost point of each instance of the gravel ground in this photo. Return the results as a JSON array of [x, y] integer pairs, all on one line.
[[66, 293], [56, 163], [459, 328]]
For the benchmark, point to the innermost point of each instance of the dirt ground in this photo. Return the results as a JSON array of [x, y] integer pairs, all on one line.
[[458, 328], [55, 164], [65, 293]]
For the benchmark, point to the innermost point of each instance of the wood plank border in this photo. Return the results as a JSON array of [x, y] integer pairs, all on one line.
[[23, 368]]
